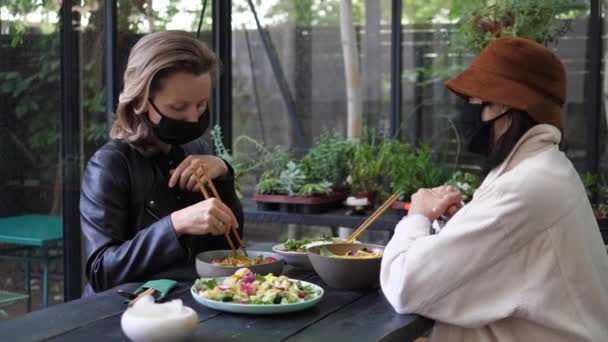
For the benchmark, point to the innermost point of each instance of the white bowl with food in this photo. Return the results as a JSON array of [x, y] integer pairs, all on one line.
[[223, 263], [294, 251]]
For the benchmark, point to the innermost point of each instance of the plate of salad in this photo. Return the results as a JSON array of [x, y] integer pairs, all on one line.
[[294, 251], [250, 293]]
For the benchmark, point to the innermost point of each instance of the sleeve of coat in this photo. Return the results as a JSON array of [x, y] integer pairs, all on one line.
[[463, 275], [114, 253]]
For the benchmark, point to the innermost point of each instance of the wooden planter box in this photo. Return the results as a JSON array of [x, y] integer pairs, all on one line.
[[401, 206], [299, 204]]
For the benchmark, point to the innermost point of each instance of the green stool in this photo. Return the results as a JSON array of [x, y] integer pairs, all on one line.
[[32, 231], [8, 298]]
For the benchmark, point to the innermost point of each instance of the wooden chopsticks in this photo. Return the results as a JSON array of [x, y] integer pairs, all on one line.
[[373, 218], [216, 194], [150, 291]]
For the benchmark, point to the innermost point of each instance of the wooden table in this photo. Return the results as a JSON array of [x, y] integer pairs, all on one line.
[[28, 232], [340, 316]]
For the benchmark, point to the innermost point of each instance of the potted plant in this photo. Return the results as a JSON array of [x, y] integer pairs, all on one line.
[[368, 167], [412, 170], [313, 184], [466, 183], [600, 206]]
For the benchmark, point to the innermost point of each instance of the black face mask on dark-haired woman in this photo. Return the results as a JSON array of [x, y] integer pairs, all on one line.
[[178, 132], [476, 132]]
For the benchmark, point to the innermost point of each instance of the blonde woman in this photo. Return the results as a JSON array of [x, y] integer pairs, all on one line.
[[524, 260], [142, 215]]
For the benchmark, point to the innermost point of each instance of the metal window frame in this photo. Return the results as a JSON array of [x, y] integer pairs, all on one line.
[[222, 44], [70, 150], [110, 72], [593, 87], [396, 67]]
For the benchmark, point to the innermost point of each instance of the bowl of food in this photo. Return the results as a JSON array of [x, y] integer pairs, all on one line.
[[223, 263], [347, 266], [294, 251]]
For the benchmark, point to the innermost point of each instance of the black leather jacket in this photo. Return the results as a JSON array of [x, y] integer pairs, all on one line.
[[125, 204]]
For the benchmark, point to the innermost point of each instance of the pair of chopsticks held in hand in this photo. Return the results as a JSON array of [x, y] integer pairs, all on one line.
[[373, 217], [203, 172]]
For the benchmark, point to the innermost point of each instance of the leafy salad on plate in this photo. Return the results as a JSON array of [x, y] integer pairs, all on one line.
[[246, 287]]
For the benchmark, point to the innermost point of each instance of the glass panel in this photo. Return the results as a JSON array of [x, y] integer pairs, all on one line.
[[306, 39], [573, 49], [30, 140], [428, 59], [136, 18], [30, 133]]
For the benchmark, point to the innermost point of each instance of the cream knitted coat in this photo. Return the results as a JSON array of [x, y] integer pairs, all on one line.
[[523, 261]]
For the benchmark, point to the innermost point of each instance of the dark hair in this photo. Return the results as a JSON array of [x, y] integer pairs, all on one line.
[[521, 122]]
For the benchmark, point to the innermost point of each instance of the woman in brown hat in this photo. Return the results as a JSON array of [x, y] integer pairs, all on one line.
[[524, 260]]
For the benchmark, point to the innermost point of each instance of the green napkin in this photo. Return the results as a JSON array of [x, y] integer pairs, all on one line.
[[162, 287]]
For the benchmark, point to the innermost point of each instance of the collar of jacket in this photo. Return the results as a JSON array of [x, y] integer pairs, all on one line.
[[536, 140]]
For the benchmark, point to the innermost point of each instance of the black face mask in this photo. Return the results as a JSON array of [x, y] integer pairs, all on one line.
[[477, 133], [178, 132]]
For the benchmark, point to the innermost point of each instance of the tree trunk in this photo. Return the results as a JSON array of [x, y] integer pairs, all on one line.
[[372, 65], [351, 69], [150, 15]]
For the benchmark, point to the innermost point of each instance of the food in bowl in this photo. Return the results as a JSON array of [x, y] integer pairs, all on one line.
[[243, 261], [300, 246], [246, 287], [363, 253], [205, 266]]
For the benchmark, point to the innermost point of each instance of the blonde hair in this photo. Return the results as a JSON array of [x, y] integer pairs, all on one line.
[[155, 57]]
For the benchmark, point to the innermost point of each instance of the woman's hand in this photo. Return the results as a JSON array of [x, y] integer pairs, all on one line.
[[436, 202], [210, 216], [182, 176]]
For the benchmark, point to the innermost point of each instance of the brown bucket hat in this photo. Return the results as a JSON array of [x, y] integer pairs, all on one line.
[[520, 74]]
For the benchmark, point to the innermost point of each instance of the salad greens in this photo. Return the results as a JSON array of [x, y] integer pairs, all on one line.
[[300, 245], [246, 287]]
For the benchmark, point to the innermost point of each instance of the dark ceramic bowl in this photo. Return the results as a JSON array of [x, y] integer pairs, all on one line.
[[346, 274]]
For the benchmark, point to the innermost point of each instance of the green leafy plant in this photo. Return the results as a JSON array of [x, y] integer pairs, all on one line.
[[268, 184], [590, 182], [481, 21], [328, 159], [466, 183], [599, 203], [370, 158], [292, 179], [312, 189], [414, 169], [540, 21], [252, 158]]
